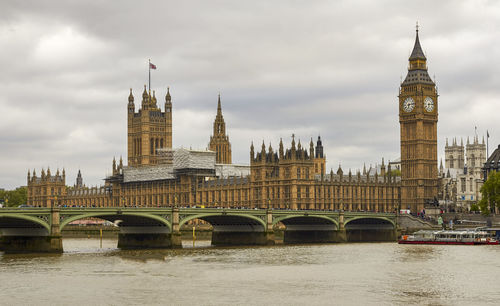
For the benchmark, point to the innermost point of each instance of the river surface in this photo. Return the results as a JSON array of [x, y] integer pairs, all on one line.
[[340, 274]]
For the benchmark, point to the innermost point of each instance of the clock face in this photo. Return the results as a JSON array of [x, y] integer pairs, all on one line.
[[429, 104], [408, 104]]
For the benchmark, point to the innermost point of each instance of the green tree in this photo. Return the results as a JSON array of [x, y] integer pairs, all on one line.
[[491, 193], [14, 198], [474, 207]]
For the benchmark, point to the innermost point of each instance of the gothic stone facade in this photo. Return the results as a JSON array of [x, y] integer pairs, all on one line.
[[462, 176], [291, 179]]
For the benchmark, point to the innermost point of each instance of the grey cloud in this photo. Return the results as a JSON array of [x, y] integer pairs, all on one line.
[[325, 67]]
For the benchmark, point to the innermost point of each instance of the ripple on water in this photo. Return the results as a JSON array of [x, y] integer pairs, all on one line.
[[357, 273]]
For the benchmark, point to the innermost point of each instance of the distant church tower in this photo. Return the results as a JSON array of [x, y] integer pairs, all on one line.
[[418, 117], [219, 142], [148, 129]]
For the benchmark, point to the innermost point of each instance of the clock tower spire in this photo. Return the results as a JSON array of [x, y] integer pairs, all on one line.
[[418, 117]]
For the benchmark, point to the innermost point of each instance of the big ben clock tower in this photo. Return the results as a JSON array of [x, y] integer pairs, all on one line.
[[418, 117]]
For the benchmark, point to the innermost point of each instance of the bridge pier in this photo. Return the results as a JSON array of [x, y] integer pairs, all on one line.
[[151, 237], [33, 240], [229, 238], [372, 235], [310, 236], [31, 244]]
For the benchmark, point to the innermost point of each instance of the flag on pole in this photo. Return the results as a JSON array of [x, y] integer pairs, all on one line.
[[152, 66], [487, 134]]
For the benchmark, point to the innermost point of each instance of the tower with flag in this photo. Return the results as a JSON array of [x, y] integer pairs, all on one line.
[[150, 128]]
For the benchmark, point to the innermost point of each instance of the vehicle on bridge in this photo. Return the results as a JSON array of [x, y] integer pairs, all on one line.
[[465, 237]]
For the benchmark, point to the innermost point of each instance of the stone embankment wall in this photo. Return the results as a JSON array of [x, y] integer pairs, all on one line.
[[408, 224]]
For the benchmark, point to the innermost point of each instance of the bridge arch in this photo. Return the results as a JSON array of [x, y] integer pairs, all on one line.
[[113, 216], [221, 216], [308, 217], [5, 220], [369, 218], [231, 228]]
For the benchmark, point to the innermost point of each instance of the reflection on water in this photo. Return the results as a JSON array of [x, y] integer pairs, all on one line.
[[355, 273]]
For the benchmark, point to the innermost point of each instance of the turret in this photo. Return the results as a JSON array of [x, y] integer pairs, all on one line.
[[114, 166], [131, 105], [79, 179], [29, 176], [281, 151], [48, 172], [145, 99], [319, 148], [311, 149], [153, 100], [252, 152], [382, 168]]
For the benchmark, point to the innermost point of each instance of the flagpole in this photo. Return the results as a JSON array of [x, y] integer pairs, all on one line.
[[487, 148], [149, 70]]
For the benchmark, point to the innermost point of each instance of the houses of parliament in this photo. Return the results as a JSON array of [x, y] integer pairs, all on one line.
[[288, 176]]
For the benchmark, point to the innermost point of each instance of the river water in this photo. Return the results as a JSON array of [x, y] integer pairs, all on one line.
[[341, 274]]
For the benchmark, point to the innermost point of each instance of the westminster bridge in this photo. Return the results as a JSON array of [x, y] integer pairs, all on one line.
[[39, 229]]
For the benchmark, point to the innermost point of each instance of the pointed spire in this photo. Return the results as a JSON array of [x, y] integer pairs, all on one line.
[[468, 140], [483, 139], [339, 170], [29, 175], [48, 171], [154, 98], [293, 142], [219, 107], [299, 146], [121, 162], [34, 173], [364, 168], [417, 52], [131, 97], [145, 94], [64, 173], [311, 149], [270, 148], [281, 151], [168, 98], [446, 141], [461, 142], [57, 172], [252, 152]]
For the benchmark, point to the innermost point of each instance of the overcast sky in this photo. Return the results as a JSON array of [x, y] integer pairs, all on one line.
[[305, 67]]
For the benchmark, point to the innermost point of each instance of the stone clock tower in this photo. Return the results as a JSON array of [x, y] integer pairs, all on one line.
[[418, 117]]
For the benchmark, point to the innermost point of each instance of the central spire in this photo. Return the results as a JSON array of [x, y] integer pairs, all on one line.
[[417, 53], [219, 107]]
